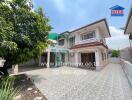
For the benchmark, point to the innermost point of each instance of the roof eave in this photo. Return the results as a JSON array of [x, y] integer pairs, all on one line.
[[104, 19], [129, 17], [107, 27]]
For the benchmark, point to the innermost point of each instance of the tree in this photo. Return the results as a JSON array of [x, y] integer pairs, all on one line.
[[115, 53], [40, 11], [23, 33]]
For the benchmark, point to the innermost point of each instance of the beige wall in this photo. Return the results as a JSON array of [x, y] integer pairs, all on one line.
[[126, 54], [98, 56], [100, 63], [98, 36], [77, 34]]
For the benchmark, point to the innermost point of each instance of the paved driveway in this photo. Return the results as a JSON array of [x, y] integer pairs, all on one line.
[[67, 83]]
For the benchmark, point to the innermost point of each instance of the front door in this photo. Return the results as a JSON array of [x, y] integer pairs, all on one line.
[[87, 60]]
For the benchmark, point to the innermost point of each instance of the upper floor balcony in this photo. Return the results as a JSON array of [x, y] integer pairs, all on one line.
[[81, 38], [89, 41], [69, 43]]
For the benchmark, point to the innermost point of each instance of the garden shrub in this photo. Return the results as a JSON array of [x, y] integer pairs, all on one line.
[[7, 90]]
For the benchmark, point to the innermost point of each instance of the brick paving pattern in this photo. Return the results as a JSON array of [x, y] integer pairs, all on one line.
[[66, 83]]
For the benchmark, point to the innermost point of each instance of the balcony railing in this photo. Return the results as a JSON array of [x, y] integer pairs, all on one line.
[[86, 41], [69, 45]]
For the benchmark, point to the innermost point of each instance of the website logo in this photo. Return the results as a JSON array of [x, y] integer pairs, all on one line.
[[117, 11]]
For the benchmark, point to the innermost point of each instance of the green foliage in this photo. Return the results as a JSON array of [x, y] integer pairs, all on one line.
[[115, 53], [7, 92], [23, 32], [40, 11]]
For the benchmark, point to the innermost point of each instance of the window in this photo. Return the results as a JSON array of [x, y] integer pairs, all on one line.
[[88, 36], [61, 42], [72, 41], [104, 56]]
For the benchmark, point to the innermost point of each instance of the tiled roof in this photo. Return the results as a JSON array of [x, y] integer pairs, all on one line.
[[89, 45], [91, 25]]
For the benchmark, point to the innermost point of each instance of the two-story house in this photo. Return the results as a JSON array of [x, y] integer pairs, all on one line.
[[126, 53], [86, 45]]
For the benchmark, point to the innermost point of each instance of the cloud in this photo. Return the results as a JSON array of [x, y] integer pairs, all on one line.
[[118, 39], [60, 5], [115, 31]]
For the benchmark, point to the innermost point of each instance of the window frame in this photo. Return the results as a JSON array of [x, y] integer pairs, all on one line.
[[83, 38], [61, 40], [72, 43]]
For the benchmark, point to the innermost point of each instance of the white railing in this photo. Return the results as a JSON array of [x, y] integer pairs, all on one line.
[[127, 67]]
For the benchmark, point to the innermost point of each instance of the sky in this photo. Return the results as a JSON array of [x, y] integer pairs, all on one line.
[[67, 15]]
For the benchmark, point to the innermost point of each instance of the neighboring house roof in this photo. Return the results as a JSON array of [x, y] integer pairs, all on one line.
[[91, 25], [64, 32], [128, 21], [117, 7], [89, 45]]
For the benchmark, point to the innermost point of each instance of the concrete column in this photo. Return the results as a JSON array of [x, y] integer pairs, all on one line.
[[66, 58], [15, 69], [76, 58], [97, 59], [48, 59]]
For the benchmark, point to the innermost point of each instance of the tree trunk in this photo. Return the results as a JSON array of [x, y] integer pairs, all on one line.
[[5, 68]]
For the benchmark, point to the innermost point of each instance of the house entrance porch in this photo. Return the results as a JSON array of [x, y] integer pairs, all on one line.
[[88, 60], [90, 57]]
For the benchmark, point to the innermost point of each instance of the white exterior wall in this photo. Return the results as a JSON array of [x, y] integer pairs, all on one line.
[[100, 63], [78, 40], [127, 67], [77, 58], [98, 59], [71, 58], [98, 36]]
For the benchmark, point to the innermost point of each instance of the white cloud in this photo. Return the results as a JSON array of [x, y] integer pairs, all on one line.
[[59, 4], [118, 39], [115, 31]]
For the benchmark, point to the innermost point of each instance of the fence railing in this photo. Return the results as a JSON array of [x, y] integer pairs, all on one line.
[[127, 67]]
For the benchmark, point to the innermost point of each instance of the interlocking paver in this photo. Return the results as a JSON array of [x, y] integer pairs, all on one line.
[[66, 83]]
